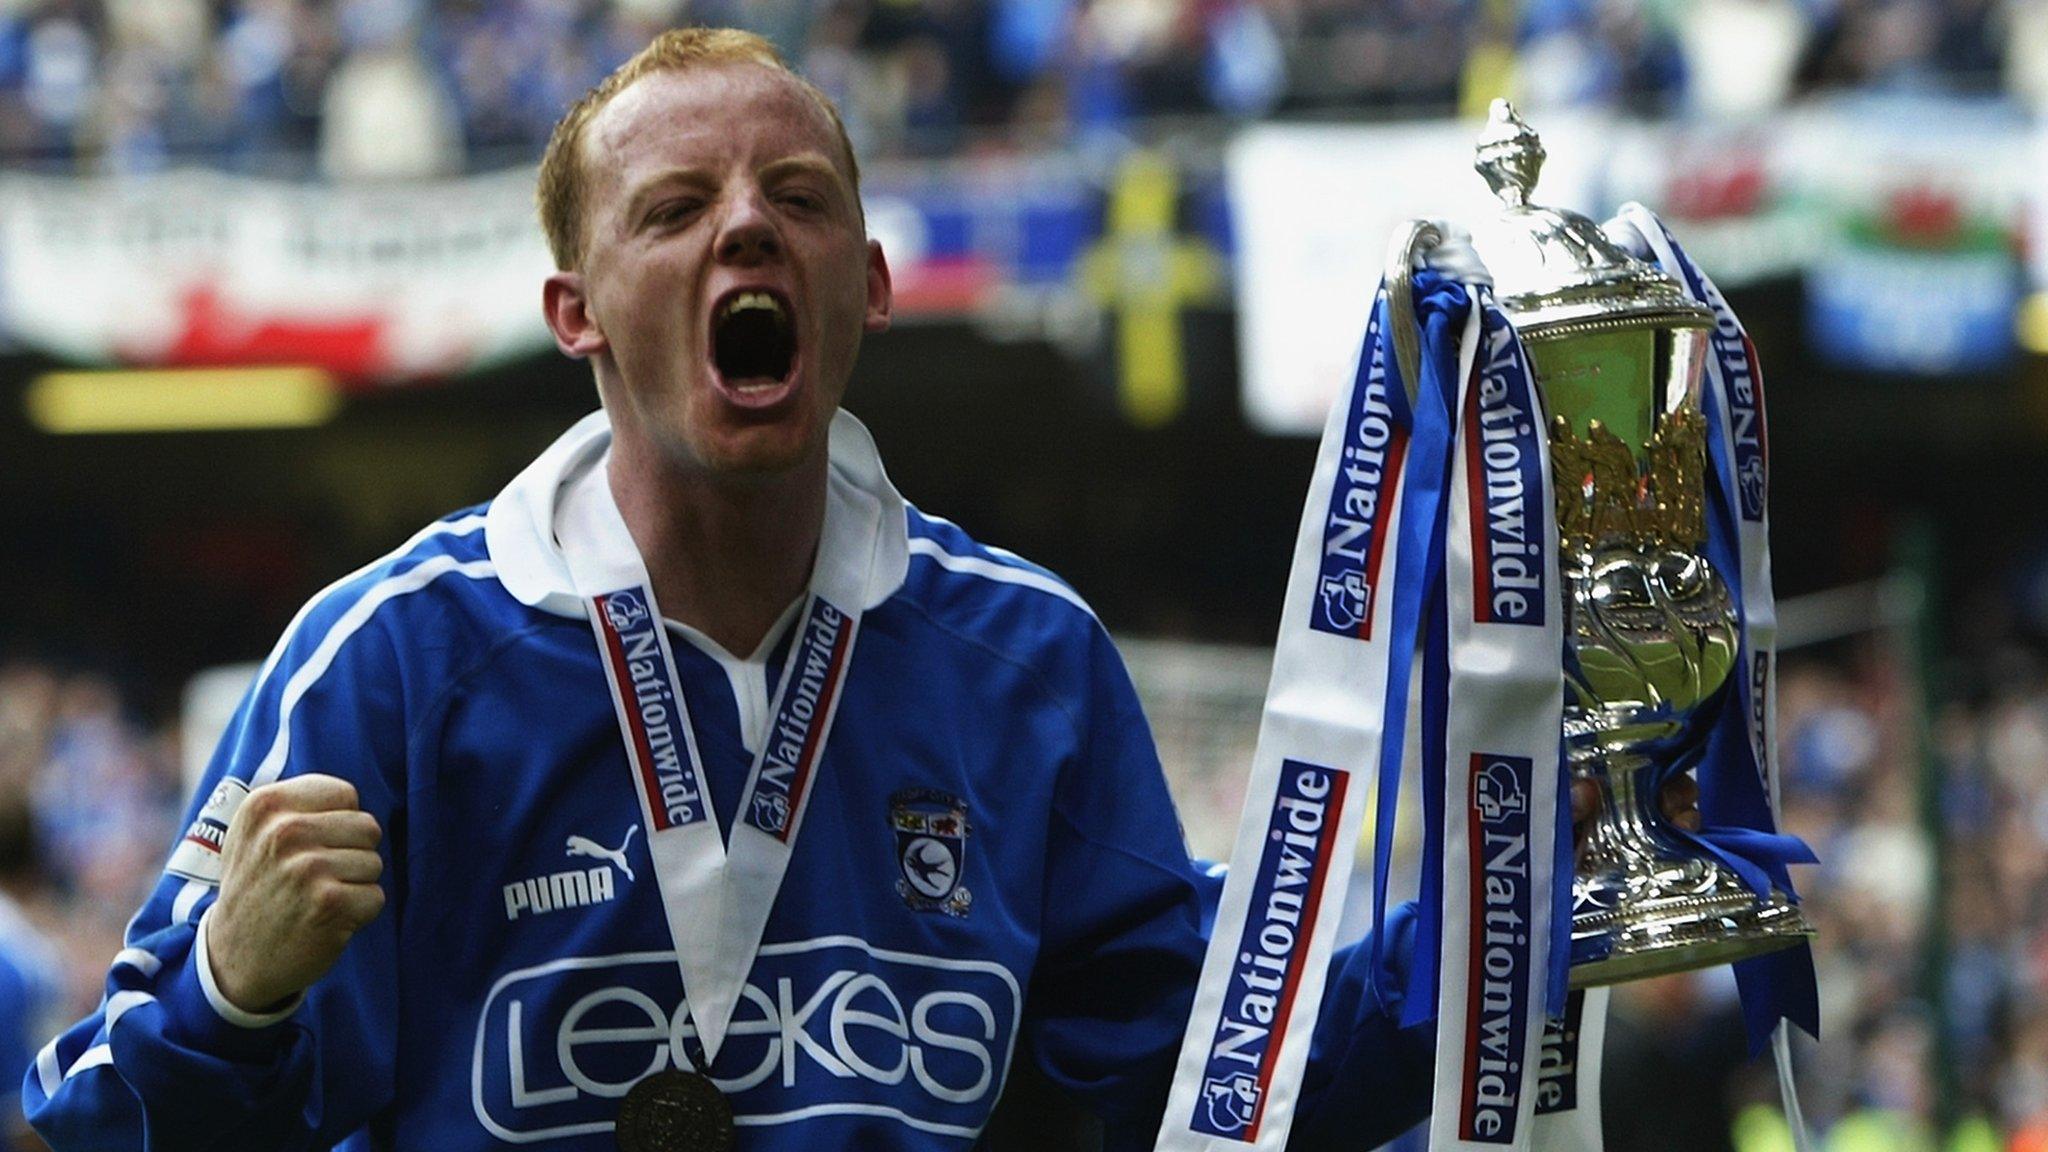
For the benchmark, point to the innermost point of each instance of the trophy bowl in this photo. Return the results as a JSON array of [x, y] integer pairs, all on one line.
[[1652, 631]]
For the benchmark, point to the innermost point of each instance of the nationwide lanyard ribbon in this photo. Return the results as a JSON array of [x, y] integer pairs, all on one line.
[[1494, 749], [1395, 513], [1741, 807], [1568, 1095], [1241, 1060], [716, 897]]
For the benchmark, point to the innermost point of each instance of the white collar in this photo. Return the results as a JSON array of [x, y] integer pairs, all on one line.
[[519, 529]]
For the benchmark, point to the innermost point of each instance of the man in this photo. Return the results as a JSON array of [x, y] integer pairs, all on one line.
[[489, 856]]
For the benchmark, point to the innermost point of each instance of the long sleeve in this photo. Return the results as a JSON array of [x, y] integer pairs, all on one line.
[[1127, 920], [165, 1062]]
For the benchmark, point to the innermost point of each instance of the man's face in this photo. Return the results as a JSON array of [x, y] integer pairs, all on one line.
[[727, 277]]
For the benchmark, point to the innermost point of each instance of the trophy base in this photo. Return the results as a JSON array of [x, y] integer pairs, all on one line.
[[1690, 914]]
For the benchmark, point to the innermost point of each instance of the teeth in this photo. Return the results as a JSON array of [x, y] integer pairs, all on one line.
[[754, 301]]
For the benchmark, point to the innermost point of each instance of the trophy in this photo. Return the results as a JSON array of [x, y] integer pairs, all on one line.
[[1652, 631], [1614, 660]]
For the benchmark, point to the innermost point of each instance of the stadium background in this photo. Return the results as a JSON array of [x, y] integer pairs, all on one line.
[[1071, 190]]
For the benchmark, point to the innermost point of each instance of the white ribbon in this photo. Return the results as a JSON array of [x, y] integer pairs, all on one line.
[[1241, 1061], [1733, 375], [1502, 724], [717, 897], [1568, 1096]]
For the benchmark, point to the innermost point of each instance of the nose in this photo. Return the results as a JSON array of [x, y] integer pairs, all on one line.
[[748, 233]]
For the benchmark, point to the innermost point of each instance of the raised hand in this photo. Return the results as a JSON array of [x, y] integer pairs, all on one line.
[[299, 873]]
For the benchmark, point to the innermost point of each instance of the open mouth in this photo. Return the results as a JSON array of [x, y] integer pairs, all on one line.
[[753, 342]]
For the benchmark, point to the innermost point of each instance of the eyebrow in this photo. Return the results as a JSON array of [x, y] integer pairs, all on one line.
[[636, 204], [803, 163]]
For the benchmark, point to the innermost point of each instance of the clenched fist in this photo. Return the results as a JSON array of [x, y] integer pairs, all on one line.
[[298, 879]]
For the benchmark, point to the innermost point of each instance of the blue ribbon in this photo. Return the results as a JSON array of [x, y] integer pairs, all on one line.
[[1441, 305], [1415, 568]]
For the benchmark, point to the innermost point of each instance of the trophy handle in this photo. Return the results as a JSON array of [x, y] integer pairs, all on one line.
[[1402, 250]]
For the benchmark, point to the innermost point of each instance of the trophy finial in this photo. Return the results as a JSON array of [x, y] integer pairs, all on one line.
[[1509, 155], [1554, 270]]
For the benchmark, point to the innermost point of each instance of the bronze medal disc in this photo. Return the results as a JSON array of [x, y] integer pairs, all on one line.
[[675, 1111]]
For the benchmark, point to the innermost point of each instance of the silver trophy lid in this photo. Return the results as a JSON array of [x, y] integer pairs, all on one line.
[[1554, 271]]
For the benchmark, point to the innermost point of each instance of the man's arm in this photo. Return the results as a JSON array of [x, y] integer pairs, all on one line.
[[203, 1038], [1126, 922], [1368, 1079]]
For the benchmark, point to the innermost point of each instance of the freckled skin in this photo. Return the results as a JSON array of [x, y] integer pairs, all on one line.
[[699, 183]]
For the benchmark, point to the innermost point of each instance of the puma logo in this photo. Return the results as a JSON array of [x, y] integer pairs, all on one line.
[[585, 846]]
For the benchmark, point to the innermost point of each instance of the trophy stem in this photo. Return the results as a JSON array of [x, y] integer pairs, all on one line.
[[1630, 833], [1646, 903]]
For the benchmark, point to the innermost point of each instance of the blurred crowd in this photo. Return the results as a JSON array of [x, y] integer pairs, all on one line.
[[399, 88], [88, 802], [101, 792], [1990, 912], [1933, 955]]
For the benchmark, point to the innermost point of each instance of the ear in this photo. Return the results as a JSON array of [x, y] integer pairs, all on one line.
[[567, 309], [880, 299]]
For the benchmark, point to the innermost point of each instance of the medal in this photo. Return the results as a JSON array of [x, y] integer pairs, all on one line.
[[675, 1111]]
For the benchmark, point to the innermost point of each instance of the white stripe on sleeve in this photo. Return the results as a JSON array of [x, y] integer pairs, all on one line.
[[1001, 573], [94, 1057], [47, 1072], [141, 959], [188, 899], [309, 673], [121, 1003]]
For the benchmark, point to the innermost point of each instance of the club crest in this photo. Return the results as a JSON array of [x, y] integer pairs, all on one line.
[[931, 849]]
